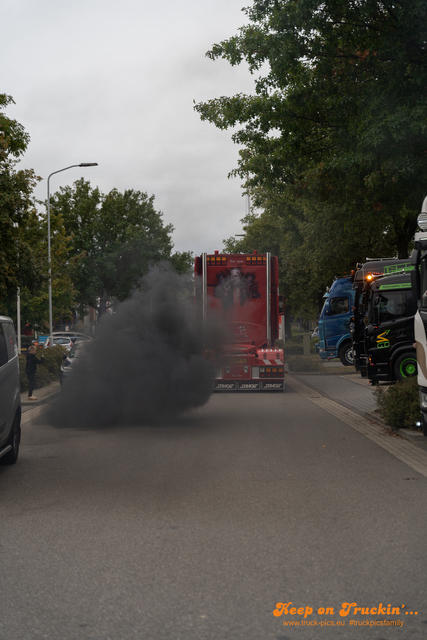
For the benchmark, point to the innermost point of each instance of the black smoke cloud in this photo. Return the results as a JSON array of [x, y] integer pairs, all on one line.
[[146, 363]]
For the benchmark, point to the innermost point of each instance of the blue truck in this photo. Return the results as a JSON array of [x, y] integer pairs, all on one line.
[[341, 327], [334, 322]]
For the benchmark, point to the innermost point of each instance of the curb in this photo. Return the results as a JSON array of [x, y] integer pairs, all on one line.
[[415, 437], [48, 393], [412, 436], [401, 447], [322, 373]]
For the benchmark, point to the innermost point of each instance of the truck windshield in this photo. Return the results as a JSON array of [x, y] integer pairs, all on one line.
[[338, 306], [391, 305]]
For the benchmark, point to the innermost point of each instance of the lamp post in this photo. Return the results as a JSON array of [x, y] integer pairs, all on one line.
[[18, 293], [82, 164]]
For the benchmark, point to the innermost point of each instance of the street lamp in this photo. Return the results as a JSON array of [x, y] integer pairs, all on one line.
[[82, 164]]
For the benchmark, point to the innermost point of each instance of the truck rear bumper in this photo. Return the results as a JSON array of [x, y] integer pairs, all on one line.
[[248, 385]]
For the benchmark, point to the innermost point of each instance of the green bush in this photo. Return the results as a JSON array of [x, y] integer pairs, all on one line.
[[298, 363], [289, 347], [399, 404], [294, 345], [293, 349], [47, 372], [53, 360]]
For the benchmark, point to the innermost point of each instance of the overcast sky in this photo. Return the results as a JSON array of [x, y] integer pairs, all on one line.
[[113, 82]]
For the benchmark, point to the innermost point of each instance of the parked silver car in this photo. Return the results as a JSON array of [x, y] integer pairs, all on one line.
[[10, 399], [67, 343]]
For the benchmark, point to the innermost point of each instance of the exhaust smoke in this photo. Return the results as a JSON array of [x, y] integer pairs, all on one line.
[[145, 365]]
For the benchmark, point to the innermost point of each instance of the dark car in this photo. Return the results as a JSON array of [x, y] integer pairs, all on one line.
[[76, 352]]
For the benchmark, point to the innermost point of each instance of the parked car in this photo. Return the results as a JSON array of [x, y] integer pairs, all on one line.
[[82, 338], [67, 343], [74, 335], [76, 352], [10, 398]]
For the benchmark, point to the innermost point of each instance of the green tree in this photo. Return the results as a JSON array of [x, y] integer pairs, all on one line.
[[114, 239], [182, 262], [35, 306], [339, 116], [313, 246], [19, 265], [35, 302]]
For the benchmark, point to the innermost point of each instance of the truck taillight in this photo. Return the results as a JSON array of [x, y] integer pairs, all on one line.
[[271, 372], [256, 260]]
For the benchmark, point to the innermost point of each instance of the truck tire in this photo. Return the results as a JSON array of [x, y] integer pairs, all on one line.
[[345, 354], [405, 366], [14, 439]]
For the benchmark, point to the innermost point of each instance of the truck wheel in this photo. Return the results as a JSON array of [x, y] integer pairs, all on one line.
[[345, 354], [14, 439], [405, 366]]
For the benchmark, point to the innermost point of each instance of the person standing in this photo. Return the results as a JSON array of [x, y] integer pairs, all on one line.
[[31, 368]]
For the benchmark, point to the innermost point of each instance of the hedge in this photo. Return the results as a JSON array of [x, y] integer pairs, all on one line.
[[48, 371], [399, 403]]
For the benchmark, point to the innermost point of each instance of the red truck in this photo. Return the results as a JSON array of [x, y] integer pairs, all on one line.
[[240, 292]]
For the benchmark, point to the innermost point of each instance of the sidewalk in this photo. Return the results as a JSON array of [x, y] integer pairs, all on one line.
[[352, 391], [43, 395]]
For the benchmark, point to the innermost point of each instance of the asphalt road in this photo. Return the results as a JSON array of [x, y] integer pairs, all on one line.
[[196, 529]]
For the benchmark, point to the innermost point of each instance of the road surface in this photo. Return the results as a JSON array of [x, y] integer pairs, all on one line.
[[196, 529]]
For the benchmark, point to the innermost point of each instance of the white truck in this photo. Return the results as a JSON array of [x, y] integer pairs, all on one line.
[[419, 289]]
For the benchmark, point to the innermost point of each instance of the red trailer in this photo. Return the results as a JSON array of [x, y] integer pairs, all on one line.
[[241, 293]]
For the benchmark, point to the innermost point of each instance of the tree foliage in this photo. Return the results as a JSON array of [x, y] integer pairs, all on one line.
[[19, 264], [113, 239], [313, 243], [182, 262], [339, 114]]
